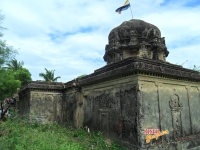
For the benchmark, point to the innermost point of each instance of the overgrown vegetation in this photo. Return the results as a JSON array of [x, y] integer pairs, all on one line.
[[17, 134]]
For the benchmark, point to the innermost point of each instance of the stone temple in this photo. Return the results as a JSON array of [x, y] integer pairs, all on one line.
[[137, 91]]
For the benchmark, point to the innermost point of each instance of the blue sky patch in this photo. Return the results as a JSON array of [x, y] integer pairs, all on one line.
[[166, 2], [191, 41], [192, 3], [59, 35], [188, 3]]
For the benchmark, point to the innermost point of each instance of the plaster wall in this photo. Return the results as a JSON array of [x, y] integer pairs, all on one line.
[[123, 108], [171, 105], [45, 107], [23, 106]]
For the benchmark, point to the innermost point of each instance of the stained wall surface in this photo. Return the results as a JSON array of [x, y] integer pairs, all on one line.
[[23, 105], [170, 105], [123, 108], [111, 107], [45, 107]]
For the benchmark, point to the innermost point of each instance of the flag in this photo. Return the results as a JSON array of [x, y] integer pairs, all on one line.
[[125, 7]]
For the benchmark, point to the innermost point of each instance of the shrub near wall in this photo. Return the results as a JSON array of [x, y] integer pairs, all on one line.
[[18, 134]]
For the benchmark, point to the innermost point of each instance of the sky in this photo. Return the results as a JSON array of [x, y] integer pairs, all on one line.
[[70, 36]]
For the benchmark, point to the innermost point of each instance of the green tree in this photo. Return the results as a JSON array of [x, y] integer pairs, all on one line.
[[8, 83], [23, 75], [15, 65], [6, 53], [20, 73], [49, 76]]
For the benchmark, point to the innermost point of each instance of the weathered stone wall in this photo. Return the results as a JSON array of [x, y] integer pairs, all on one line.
[[124, 107], [23, 106], [111, 107], [123, 99], [46, 106], [42, 101], [170, 105], [70, 108]]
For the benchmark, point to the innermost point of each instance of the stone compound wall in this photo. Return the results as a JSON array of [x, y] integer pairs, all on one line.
[[46, 107], [24, 104], [122, 100], [111, 107], [42, 101], [170, 105]]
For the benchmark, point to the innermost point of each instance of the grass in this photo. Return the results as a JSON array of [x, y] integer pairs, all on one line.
[[17, 134]]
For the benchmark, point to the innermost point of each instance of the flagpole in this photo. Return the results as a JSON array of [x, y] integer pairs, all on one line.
[[131, 11]]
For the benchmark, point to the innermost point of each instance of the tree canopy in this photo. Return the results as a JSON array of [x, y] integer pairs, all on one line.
[[6, 53], [15, 65], [49, 76], [20, 73], [23, 75], [8, 83]]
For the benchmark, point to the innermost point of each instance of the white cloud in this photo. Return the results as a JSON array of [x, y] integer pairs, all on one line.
[[81, 28]]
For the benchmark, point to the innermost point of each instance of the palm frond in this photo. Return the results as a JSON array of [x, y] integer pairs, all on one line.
[[55, 79], [15, 65], [49, 75]]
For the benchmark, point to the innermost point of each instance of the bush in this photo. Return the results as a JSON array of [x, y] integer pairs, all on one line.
[[19, 134]]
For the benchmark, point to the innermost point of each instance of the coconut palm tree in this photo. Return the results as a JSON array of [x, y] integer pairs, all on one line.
[[49, 76], [15, 65]]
